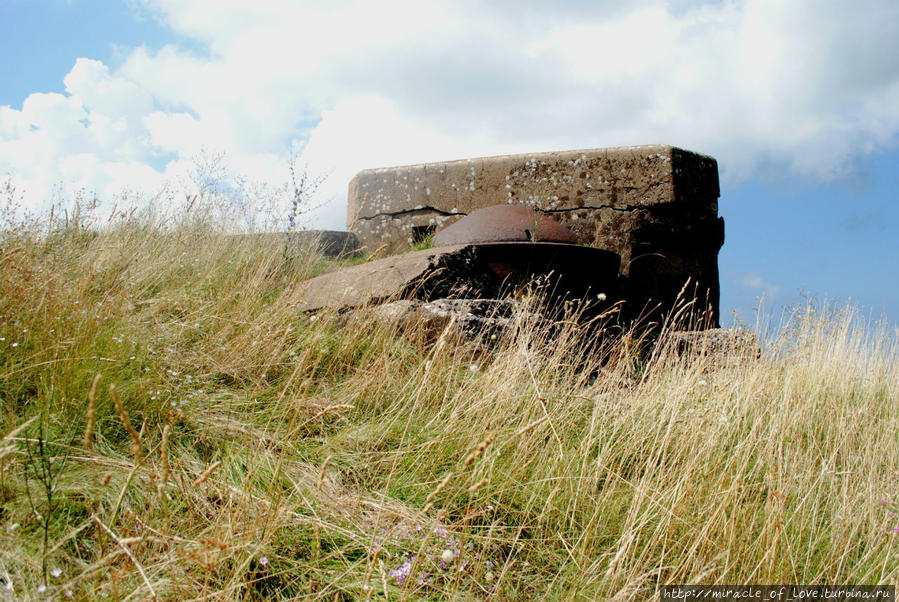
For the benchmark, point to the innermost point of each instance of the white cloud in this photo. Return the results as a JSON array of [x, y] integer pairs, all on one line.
[[368, 132], [808, 85], [754, 282], [178, 133]]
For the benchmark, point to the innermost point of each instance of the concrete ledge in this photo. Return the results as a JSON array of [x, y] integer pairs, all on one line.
[[330, 243], [484, 271], [721, 345]]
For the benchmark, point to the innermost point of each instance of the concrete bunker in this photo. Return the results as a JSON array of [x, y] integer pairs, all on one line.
[[656, 207]]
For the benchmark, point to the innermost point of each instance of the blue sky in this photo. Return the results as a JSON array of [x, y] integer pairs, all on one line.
[[42, 38], [798, 101], [804, 239]]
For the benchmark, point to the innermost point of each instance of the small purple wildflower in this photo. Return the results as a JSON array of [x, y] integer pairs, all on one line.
[[402, 571], [895, 529], [263, 561], [882, 502]]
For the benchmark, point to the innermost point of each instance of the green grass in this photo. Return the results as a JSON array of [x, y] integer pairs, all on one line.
[[308, 459]]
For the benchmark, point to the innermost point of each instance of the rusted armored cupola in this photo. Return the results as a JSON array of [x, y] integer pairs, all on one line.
[[504, 223], [518, 244]]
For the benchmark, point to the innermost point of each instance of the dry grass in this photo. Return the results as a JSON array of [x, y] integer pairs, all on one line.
[[256, 453]]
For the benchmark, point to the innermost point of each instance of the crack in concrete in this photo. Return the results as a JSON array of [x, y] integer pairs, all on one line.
[[401, 212], [430, 209]]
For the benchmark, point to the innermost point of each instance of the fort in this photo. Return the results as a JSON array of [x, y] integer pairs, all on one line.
[[655, 207]]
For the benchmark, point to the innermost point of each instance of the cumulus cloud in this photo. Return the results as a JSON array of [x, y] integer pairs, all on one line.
[[804, 87]]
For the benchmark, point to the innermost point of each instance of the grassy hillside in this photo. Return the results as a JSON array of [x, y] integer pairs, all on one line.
[[171, 427]]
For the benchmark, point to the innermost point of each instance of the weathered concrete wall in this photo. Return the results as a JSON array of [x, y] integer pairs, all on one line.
[[656, 206]]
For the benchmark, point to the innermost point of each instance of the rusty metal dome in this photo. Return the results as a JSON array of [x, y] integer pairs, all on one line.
[[504, 223]]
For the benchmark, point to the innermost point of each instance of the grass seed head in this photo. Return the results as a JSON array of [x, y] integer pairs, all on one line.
[[126, 422], [91, 413]]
